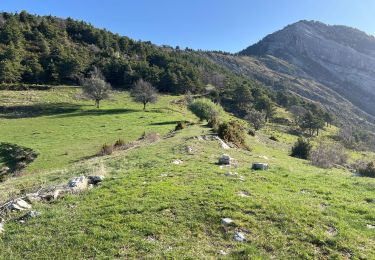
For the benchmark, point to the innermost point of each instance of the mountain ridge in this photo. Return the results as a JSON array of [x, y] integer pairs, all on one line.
[[340, 57]]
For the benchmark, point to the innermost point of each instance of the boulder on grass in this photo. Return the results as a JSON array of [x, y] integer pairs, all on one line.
[[260, 166], [19, 205], [225, 159], [239, 236], [95, 180]]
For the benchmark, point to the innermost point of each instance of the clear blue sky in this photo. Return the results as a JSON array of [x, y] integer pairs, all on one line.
[[228, 25]]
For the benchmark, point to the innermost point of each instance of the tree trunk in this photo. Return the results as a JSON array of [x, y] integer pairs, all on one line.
[[97, 103], [144, 106]]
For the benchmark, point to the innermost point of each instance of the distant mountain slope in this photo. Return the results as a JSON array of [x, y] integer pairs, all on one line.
[[281, 75], [339, 57]]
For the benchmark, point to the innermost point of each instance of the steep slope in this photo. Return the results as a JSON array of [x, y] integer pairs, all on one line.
[[338, 57], [282, 75]]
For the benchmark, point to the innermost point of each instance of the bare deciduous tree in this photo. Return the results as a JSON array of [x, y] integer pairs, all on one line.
[[143, 92], [95, 87]]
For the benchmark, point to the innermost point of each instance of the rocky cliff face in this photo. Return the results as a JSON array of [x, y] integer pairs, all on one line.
[[339, 57]]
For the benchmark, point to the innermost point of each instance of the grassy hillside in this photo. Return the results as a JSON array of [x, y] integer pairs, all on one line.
[[63, 128], [149, 207]]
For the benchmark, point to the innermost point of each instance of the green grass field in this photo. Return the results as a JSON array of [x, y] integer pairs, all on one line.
[[63, 128], [150, 208]]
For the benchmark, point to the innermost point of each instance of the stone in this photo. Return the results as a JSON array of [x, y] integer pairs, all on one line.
[[227, 221], [33, 197], [222, 252], [239, 236], [2, 230], [95, 179], [29, 215], [222, 143], [177, 162], [78, 183], [260, 166], [332, 231], [19, 205], [225, 159], [243, 194], [369, 226], [53, 195], [189, 149]]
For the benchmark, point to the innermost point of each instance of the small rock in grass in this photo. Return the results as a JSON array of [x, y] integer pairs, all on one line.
[[20, 205], [239, 236], [369, 226], [260, 166], [227, 221], [243, 194], [332, 231], [78, 183], [189, 149], [225, 159], [29, 215], [31, 197], [222, 252], [163, 175], [241, 178], [96, 179], [264, 157], [177, 162], [52, 195], [2, 230]]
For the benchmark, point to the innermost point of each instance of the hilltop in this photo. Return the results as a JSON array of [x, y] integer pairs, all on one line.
[[332, 65]]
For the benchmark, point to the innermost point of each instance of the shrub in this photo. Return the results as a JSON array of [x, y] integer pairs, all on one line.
[[150, 137], [180, 125], [251, 132], [119, 143], [106, 150], [214, 123], [256, 119], [274, 138], [205, 109], [301, 149], [233, 132], [326, 155], [367, 171]]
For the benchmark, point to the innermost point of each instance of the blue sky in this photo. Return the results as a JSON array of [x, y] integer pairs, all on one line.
[[228, 25]]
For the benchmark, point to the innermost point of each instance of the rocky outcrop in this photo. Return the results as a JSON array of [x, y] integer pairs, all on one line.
[[339, 57]]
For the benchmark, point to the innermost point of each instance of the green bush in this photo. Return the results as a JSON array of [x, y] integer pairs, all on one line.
[[180, 125], [274, 138], [233, 132], [106, 149], [205, 109], [367, 171], [119, 143], [251, 132], [301, 149]]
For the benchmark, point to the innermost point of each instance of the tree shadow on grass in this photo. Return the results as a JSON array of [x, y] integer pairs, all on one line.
[[166, 123], [15, 158], [37, 110], [99, 112]]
